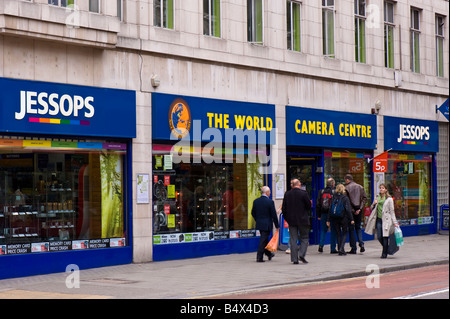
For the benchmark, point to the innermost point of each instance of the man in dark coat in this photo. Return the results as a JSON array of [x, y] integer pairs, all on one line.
[[265, 215], [296, 207]]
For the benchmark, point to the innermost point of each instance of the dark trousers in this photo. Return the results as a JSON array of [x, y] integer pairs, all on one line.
[[341, 227], [356, 228], [384, 241], [263, 241]]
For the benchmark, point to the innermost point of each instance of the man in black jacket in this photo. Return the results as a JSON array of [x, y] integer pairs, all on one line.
[[296, 207], [265, 215]]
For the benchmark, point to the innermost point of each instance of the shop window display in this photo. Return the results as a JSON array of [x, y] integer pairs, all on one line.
[[61, 195], [409, 182], [339, 164], [192, 197]]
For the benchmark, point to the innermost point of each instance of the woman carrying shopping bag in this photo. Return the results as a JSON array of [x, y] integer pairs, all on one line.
[[382, 219]]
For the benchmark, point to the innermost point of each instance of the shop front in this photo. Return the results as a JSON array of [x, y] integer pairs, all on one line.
[[210, 159], [322, 144], [410, 174], [65, 158]]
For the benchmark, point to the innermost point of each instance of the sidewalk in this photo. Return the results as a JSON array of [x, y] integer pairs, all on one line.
[[216, 275]]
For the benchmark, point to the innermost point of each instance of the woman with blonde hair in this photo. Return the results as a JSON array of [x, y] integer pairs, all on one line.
[[382, 219], [341, 214]]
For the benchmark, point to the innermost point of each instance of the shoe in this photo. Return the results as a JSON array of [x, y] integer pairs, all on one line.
[[352, 252], [362, 249], [342, 253], [303, 260], [271, 256], [260, 261], [333, 252], [288, 251], [320, 249], [383, 256], [295, 262]]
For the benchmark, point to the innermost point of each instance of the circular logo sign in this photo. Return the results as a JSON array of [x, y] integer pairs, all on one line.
[[179, 118]]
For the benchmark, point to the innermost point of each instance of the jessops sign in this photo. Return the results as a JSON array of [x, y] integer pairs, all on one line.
[[53, 108], [401, 134]]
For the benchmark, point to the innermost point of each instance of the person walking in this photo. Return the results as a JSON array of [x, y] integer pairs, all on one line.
[[341, 216], [265, 215], [323, 205], [296, 207], [382, 219], [358, 200]]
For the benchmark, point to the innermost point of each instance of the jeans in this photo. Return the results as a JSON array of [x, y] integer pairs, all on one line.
[[323, 232], [294, 233], [356, 228]]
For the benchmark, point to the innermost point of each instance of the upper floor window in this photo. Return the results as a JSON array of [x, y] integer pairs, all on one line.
[[293, 14], [94, 6], [211, 18], [62, 3], [440, 45], [255, 21], [328, 27], [360, 31], [415, 40], [389, 34], [163, 14], [120, 9]]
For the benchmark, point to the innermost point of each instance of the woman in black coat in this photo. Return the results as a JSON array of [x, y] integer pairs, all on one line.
[[341, 213]]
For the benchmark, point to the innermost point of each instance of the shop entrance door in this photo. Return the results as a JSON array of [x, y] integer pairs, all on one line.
[[305, 169]]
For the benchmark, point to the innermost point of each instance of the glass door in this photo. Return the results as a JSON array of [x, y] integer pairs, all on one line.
[[304, 169]]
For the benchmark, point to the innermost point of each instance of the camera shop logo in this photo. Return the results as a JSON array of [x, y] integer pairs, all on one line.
[[180, 118]]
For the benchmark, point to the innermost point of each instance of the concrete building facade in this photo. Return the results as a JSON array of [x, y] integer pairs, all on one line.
[[124, 45]]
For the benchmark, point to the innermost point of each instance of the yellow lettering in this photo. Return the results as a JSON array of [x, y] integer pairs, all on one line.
[[352, 130], [324, 128], [369, 132], [312, 127], [218, 120], [358, 128], [226, 121], [341, 127], [269, 124], [304, 128], [249, 122], [210, 116], [331, 130], [363, 133], [240, 121], [297, 124], [256, 123]]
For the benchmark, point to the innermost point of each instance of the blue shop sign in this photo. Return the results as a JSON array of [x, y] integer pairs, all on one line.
[[62, 109], [402, 134], [177, 117], [324, 128]]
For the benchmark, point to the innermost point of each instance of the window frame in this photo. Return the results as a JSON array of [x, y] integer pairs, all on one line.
[[98, 6], [210, 18], [360, 31], [440, 41], [68, 5], [415, 40], [328, 6], [255, 24], [389, 37], [166, 21], [293, 24]]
